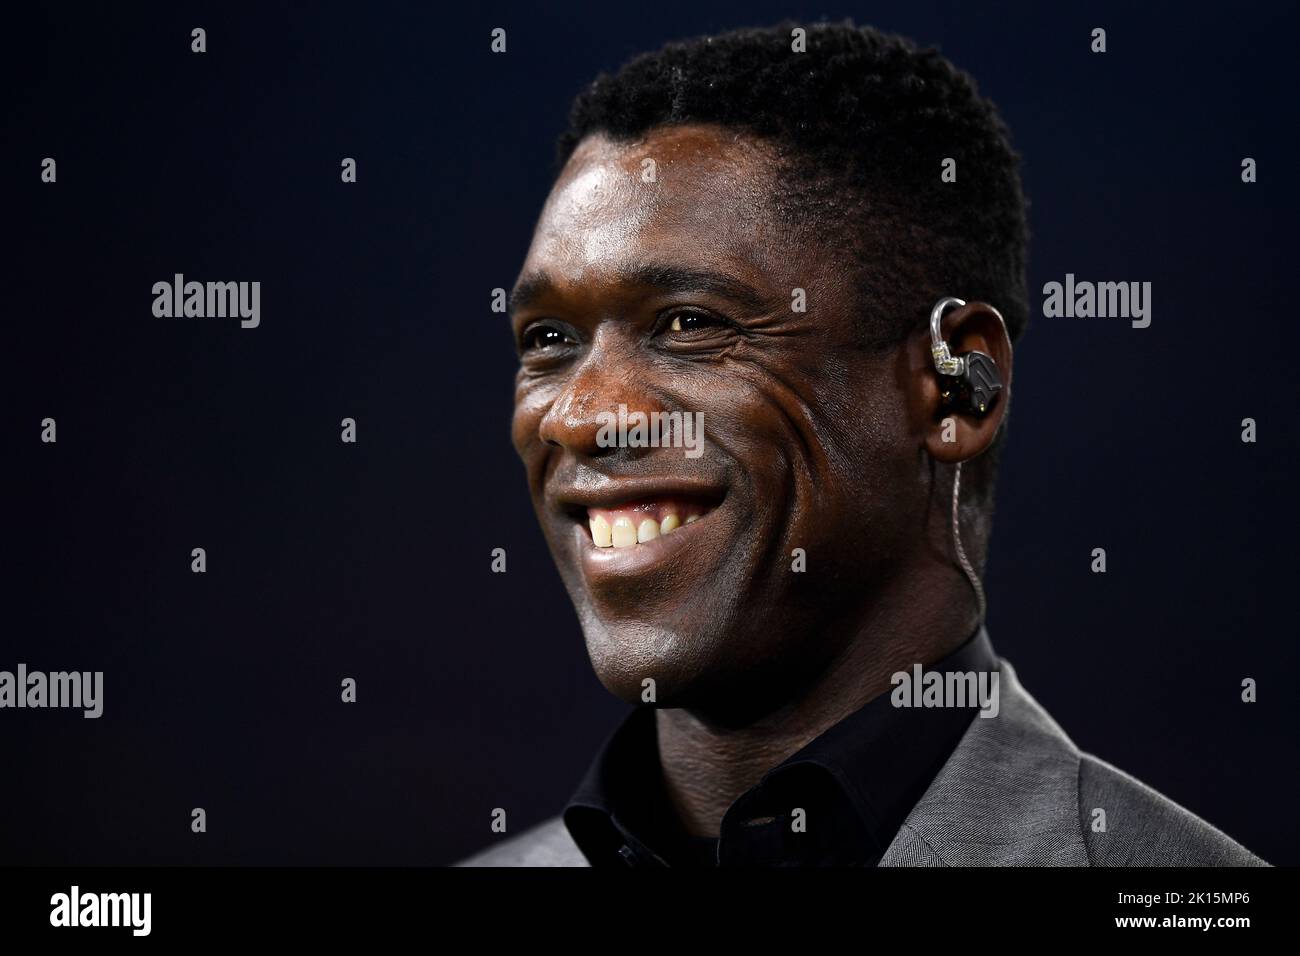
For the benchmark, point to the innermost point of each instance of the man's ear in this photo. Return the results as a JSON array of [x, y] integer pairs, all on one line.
[[952, 433]]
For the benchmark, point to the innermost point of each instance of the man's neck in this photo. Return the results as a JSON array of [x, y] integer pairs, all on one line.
[[707, 766]]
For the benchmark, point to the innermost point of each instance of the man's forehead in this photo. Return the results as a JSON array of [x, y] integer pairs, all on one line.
[[685, 192], [710, 143]]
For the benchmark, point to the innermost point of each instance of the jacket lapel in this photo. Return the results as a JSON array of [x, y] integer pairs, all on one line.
[[1008, 795]]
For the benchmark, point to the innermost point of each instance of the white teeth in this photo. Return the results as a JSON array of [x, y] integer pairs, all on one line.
[[624, 532]]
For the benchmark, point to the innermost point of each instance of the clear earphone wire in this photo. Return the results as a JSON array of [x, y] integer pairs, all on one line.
[[956, 542]]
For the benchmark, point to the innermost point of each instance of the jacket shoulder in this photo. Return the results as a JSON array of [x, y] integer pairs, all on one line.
[[546, 844], [1146, 828]]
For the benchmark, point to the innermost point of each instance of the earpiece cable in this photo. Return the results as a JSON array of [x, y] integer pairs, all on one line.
[[961, 552]]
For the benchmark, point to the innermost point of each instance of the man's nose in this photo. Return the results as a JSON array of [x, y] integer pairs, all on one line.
[[584, 416]]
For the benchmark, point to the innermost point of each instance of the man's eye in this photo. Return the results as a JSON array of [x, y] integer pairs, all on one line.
[[543, 336], [691, 321]]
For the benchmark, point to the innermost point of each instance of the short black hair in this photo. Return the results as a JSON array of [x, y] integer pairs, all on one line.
[[863, 122], [865, 119]]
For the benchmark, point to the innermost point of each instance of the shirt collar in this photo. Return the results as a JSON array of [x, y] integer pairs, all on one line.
[[855, 784]]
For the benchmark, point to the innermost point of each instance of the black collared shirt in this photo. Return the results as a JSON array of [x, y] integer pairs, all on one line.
[[839, 801]]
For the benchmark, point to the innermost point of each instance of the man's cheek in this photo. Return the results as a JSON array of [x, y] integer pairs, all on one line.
[[524, 424]]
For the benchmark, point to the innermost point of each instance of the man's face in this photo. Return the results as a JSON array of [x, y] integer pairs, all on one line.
[[680, 295]]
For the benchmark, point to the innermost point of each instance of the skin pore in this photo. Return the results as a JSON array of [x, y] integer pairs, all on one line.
[[676, 295]]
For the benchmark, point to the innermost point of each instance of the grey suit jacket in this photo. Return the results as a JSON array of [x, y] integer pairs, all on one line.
[[1015, 792]]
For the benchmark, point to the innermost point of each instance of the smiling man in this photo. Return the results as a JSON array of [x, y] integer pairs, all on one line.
[[752, 231]]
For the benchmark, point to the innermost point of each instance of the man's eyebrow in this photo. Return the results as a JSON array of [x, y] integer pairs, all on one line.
[[529, 289], [662, 278], [668, 278]]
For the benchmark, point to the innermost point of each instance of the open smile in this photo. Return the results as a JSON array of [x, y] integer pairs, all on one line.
[[631, 527], [633, 523]]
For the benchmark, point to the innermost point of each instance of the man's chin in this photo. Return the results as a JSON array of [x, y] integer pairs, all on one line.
[[643, 663]]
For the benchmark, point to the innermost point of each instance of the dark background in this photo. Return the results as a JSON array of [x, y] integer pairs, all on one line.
[[328, 560]]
